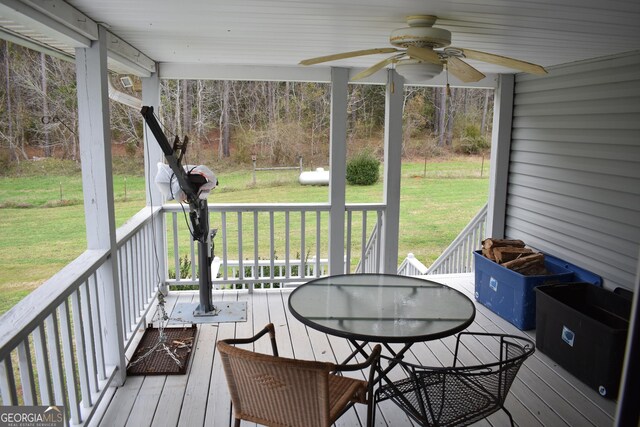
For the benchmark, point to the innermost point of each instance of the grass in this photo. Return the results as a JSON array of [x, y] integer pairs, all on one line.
[[42, 231]]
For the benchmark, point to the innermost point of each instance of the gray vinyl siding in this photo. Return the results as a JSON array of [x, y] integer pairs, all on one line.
[[574, 168]]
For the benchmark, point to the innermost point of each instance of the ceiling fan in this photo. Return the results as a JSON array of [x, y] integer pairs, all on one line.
[[422, 51]]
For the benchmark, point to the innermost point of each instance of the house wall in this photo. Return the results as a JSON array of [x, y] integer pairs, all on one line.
[[574, 168]]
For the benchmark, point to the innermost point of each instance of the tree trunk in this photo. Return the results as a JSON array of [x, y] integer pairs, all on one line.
[[45, 107], [451, 114], [483, 125], [199, 107], [186, 107], [224, 121], [287, 110], [7, 60], [176, 113], [442, 116]]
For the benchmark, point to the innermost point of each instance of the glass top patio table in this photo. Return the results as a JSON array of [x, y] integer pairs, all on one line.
[[381, 308]]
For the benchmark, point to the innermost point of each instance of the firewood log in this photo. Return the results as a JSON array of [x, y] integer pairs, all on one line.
[[528, 259], [490, 243], [504, 254]]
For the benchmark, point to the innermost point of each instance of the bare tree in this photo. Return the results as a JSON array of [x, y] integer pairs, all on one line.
[[223, 147]]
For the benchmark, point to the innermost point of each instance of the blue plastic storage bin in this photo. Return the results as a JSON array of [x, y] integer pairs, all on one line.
[[511, 295]]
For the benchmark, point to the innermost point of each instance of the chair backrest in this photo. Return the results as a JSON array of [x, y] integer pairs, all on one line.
[[275, 390], [497, 377], [460, 395]]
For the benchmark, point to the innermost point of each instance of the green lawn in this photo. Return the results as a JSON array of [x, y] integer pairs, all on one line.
[[40, 231]]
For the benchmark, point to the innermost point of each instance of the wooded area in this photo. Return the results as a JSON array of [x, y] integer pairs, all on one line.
[[277, 121]]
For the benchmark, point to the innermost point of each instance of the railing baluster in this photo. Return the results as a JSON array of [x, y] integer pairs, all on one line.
[[133, 282], [130, 286], [194, 258], [256, 269], [26, 373], [378, 241], [97, 326], [144, 259], [81, 349], [176, 249], [272, 248], [302, 245], [318, 225], [69, 363], [347, 266], [8, 383], [55, 356], [287, 272], [125, 285], [363, 243], [223, 221], [87, 328], [240, 260], [122, 263], [42, 365]]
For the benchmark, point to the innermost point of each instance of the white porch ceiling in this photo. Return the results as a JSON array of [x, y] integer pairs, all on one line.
[[204, 34]]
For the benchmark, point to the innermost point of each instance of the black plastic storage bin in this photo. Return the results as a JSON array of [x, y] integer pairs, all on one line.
[[584, 328]]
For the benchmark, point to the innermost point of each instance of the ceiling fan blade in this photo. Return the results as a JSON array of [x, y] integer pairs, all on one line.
[[491, 58], [345, 55], [424, 54], [463, 71], [377, 67]]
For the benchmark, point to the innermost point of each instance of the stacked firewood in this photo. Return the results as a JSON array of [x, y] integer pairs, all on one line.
[[513, 255]]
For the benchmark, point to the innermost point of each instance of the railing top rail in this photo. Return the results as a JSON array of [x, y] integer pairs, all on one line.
[[135, 223], [269, 207], [17, 323], [364, 206], [250, 207]]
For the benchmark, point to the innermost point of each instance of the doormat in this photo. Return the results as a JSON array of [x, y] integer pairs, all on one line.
[[163, 356]]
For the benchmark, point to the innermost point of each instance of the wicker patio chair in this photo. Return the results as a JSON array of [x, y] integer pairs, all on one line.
[[278, 391], [460, 395]]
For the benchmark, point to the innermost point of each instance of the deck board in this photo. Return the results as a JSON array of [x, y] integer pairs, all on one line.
[[543, 394]]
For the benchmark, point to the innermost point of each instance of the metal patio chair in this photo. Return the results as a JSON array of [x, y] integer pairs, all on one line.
[[278, 391], [460, 395]]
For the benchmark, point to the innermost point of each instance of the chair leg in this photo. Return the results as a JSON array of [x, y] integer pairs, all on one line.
[[371, 411], [237, 423], [509, 414]]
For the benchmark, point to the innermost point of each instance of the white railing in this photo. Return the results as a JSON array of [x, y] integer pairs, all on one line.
[[263, 272], [140, 267], [53, 349], [370, 259], [268, 245], [458, 257], [410, 266], [52, 343]]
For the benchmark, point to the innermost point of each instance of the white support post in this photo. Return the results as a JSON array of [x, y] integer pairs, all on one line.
[[152, 156], [97, 185], [500, 152], [338, 168], [392, 170]]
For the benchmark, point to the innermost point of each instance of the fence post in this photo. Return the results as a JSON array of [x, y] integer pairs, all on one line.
[[253, 159]]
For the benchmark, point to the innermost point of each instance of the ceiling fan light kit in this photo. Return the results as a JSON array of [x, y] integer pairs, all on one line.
[[417, 71], [415, 57]]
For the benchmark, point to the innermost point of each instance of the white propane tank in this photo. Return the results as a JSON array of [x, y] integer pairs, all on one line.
[[316, 177]]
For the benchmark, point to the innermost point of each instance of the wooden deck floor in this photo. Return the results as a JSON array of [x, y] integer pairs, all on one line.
[[542, 395]]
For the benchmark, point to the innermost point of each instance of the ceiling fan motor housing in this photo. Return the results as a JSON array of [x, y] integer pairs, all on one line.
[[420, 33]]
